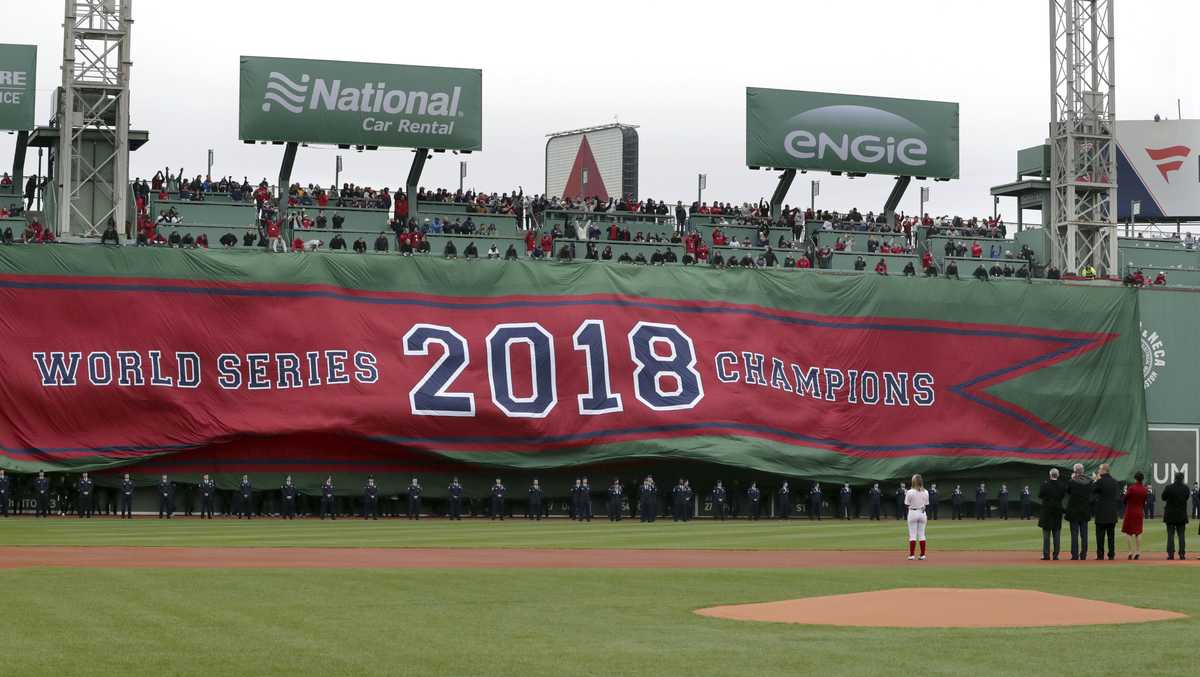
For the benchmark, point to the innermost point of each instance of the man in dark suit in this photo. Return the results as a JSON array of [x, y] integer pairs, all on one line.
[[535, 502], [956, 499], [166, 498], [245, 498], [932, 509], [1002, 501], [899, 496], [41, 490], [1148, 509], [1108, 498], [844, 497], [498, 492], [981, 511], [815, 498], [785, 501], [4, 493], [208, 491], [876, 498], [1175, 515], [1079, 511], [1051, 494], [125, 500], [85, 487], [414, 500], [456, 493], [718, 501]]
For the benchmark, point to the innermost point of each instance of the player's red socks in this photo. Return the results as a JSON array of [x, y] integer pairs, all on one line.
[[912, 547], [922, 548]]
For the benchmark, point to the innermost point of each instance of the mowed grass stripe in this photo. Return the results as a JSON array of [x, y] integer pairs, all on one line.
[[554, 622], [558, 533]]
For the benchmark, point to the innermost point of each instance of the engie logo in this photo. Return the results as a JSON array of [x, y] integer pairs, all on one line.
[[372, 97], [864, 134], [1154, 357], [1163, 156]]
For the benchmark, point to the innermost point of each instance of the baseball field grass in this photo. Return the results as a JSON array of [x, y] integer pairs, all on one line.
[[967, 535], [497, 622]]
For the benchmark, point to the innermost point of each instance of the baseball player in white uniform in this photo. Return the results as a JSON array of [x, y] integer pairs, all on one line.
[[917, 500]]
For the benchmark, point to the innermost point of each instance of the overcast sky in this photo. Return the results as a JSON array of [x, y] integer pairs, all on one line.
[[678, 71]]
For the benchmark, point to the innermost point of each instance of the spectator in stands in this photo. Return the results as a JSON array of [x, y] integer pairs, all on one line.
[[996, 270], [31, 188], [7, 236], [881, 267], [360, 246], [804, 262], [187, 241], [976, 250], [250, 237], [110, 234], [951, 270], [274, 237], [860, 264], [538, 254], [381, 243], [510, 254], [1160, 279], [338, 220], [449, 251], [1053, 273], [910, 270], [769, 258], [981, 273], [338, 243], [202, 241], [297, 244], [624, 258], [1088, 272]]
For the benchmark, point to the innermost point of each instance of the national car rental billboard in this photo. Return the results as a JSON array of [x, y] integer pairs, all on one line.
[[369, 104]]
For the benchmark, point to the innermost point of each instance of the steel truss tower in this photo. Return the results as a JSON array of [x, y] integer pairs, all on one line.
[[93, 174], [1083, 157]]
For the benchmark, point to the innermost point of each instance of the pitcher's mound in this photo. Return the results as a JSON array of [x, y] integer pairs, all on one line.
[[942, 608]]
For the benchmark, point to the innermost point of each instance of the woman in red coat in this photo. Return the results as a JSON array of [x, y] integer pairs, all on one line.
[[1135, 506]]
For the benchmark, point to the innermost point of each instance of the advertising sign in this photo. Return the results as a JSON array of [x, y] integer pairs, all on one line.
[[18, 79], [371, 104], [849, 133]]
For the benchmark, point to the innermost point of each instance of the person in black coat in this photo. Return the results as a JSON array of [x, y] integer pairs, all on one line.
[[785, 501], [875, 496], [414, 500], [1026, 503], [1079, 511], [844, 497], [166, 498], [900, 509], [815, 498], [981, 511], [370, 500], [932, 509], [1175, 515], [615, 494], [718, 501], [456, 491], [1149, 507], [245, 498], [498, 492], [1051, 495], [535, 502], [1108, 500], [956, 498]]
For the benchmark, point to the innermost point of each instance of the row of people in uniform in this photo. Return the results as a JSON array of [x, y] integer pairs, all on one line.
[[680, 500]]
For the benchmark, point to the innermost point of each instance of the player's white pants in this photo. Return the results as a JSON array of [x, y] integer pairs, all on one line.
[[916, 525]]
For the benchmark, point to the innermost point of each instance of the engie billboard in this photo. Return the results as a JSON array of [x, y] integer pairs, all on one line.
[[850, 133], [18, 78], [369, 104]]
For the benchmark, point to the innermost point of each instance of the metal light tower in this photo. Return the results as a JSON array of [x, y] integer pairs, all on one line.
[[1083, 158], [93, 154]]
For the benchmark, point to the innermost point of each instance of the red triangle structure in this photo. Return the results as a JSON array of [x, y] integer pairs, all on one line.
[[585, 161]]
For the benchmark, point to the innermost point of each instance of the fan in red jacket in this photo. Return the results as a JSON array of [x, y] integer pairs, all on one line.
[[297, 245], [548, 245], [614, 233], [530, 241], [926, 260], [702, 252], [976, 250], [881, 267], [803, 262], [1160, 279], [718, 238]]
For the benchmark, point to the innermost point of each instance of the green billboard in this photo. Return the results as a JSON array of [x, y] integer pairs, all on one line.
[[367, 104], [18, 77], [1170, 323], [849, 133]]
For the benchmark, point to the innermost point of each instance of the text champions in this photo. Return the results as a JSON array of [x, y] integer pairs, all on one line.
[[231, 371], [832, 384]]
